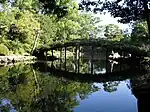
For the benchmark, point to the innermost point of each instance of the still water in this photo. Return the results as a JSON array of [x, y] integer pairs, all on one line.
[[45, 87]]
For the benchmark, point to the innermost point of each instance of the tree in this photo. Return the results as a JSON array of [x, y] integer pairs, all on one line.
[[20, 20], [56, 7], [48, 27], [19, 30], [75, 25], [140, 32], [112, 32], [128, 10]]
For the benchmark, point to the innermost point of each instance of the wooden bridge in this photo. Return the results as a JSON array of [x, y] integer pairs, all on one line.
[[77, 46]]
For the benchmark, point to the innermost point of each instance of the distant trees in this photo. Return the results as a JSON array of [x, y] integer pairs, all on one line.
[[113, 33]]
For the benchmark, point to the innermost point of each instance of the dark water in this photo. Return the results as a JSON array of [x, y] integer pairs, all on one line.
[[68, 86]]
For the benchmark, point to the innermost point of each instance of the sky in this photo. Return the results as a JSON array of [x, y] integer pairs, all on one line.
[[108, 19]]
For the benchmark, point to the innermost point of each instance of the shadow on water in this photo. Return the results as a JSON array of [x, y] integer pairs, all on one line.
[[62, 85]]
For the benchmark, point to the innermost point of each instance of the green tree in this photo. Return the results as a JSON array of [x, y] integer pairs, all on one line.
[[27, 24], [19, 30], [74, 25], [113, 33], [140, 32], [48, 29]]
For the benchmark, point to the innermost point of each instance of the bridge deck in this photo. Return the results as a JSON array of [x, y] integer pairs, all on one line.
[[99, 43]]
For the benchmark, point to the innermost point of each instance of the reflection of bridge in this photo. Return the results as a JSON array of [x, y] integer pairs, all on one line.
[[112, 76]]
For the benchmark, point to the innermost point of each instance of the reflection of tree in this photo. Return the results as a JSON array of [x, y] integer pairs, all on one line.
[[18, 85], [60, 94], [111, 86], [99, 66], [52, 94], [140, 87], [73, 64], [82, 64]]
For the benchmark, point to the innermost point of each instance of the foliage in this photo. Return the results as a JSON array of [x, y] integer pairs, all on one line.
[[26, 4], [112, 32], [18, 32], [3, 50], [140, 32], [128, 10], [74, 25], [3, 70], [21, 22], [56, 7], [48, 29], [111, 86]]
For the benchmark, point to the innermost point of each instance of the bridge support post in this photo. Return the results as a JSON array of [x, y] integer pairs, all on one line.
[[60, 58], [106, 60], [52, 52], [91, 59], [46, 55], [65, 58], [78, 53], [76, 65]]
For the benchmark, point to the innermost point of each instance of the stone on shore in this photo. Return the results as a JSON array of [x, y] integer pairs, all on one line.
[[15, 58]]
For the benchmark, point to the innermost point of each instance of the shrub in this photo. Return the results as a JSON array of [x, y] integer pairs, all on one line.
[[3, 70], [3, 50]]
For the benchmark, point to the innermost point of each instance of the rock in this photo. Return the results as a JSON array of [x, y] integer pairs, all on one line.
[[12, 59]]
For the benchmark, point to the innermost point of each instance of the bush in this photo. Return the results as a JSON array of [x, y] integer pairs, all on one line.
[[3, 70], [3, 50]]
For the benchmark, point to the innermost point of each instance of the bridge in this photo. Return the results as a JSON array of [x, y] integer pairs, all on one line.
[[76, 46]]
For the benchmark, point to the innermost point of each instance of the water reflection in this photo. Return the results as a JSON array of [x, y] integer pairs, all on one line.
[[30, 90], [93, 61], [37, 88]]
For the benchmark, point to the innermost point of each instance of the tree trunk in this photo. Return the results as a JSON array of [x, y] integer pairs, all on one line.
[[35, 42]]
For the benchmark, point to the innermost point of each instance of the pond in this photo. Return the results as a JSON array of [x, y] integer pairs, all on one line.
[[74, 85]]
